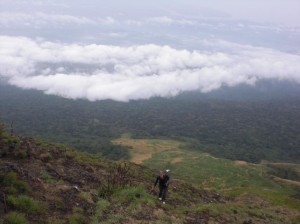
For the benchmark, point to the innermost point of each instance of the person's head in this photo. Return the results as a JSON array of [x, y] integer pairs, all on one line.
[[161, 174]]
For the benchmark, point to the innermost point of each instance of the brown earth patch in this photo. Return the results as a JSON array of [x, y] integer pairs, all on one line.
[[143, 149], [140, 158], [240, 163], [177, 160], [286, 181]]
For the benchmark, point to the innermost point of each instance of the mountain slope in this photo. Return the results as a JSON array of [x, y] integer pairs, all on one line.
[[47, 183]]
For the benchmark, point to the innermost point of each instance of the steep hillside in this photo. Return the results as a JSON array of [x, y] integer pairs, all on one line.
[[48, 183]]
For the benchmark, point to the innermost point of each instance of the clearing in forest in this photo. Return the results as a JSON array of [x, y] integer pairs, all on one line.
[[143, 149]]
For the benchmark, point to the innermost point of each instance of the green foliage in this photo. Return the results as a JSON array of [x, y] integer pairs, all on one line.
[[116, 179], [101, 206], [10, 181], [239, 212], [59, 203], [56, 221], [239, 130], [15, 218], [47, 178], [286, 171], [25, 204], [5, 136], [113, 218], [46, 157], [134, 195], [229, 177], [77, 218], [21, 154], [2, 128], [86, 196], [85, 157], [40, 142], [8, 138]]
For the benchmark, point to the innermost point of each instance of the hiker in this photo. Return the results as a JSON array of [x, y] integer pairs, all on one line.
[[163, 182]]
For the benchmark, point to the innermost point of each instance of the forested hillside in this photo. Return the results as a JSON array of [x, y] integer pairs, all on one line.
[[249, 127]]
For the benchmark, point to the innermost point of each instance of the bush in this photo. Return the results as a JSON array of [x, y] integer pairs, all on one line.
[[25, 204], [15, 218], [10, 180], [47, 178], [117, 178], [77, 219], [101, 206], [21, 154], [86, 196], [134, 194], [5, 135]]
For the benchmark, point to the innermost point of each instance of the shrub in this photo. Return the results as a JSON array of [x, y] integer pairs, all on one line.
[[86, 196], [21, 154], [134, 194], [118, 178], [101, 206], [5, 135], [59, 203], [15, 218], [5, 141], [25, 204], [54, 220], [77, 219], [47, 178], [10, 180], [46, 157]]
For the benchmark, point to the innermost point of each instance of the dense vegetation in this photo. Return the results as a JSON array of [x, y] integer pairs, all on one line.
[[252, 128]]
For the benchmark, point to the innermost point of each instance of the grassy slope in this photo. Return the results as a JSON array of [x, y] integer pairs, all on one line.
[[46, 183], [235, 178]]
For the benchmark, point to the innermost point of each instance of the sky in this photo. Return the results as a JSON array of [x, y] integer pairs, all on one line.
[[129, 50]]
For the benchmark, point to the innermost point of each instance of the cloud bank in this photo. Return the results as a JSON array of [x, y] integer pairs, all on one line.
[[98, 72]]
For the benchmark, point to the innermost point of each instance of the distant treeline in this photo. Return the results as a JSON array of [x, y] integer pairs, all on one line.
[[251, 130]]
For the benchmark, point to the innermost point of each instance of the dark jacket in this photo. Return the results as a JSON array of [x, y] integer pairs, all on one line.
[[162, 181]]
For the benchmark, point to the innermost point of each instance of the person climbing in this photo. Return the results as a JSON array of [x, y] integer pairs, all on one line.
[[163, 180]]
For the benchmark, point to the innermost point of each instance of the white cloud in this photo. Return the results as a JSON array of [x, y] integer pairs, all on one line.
[[38, 19], [97, 72], [108, 21], [169, 21]]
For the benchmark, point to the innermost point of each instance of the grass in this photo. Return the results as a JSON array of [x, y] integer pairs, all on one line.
[[237, 213], [234, 178], [15, 218], [11, 183], [134, 195], [101, 205], [77, 218], [86, 196], [131, 201], [25, 204], [84, 157], [47, 177]]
